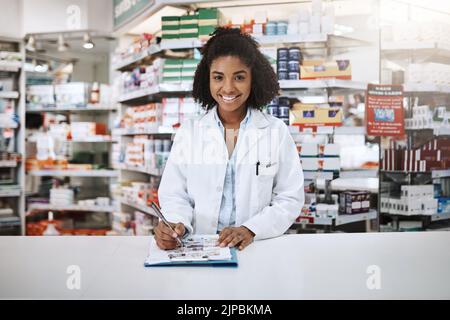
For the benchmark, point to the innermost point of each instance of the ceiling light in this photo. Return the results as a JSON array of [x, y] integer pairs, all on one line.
[[62, 46], [88, 44], [31, 44]]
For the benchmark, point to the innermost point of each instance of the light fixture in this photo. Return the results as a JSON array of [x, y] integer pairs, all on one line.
[[62, 46], [31, 44], [88, 44]]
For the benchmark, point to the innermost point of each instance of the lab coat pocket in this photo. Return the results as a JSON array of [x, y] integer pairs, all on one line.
[[265, 187]]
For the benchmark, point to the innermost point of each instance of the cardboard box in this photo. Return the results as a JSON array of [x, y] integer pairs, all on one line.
[[74, 93], [354, 202], [320, 164], [319, 115], [319, 69]]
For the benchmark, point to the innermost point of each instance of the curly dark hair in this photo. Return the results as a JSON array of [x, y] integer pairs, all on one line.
[[231, 42]]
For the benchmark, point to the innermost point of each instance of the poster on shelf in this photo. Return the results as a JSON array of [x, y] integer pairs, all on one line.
[[384, 110]]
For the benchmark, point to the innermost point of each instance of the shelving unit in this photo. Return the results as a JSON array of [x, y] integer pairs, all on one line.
[[11, 190], [75, 173]]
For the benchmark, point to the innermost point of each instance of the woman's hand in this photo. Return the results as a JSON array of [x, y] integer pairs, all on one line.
[[235, 236], [165, 238]]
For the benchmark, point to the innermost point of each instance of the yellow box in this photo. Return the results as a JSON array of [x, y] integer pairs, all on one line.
[[304, 114], [319, 69]]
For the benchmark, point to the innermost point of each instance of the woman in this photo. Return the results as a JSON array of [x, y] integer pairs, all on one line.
[[235, 170]]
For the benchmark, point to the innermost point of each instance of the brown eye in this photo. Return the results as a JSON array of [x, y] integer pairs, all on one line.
[[240, 77], [217, 77]]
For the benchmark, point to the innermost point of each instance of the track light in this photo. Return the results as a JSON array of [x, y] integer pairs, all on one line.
[[31, 44], [88, 44], [62, 46]]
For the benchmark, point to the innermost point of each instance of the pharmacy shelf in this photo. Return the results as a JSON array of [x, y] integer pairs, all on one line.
[[351, 218], [8, 163], [440, 216], [436, 174], [10, 66], [177, 44], [305, 220], [295, 38], [157, 89], [313, 175], [142, 208], [150, 171], [94, 139], [339, 130], [150, 130], [9, 221], [425, 88], [72, 207], [10, 191], [9, 95], [346, 184], [74, 173], [140, 57], [360, 173], [10, 125], [61, 108], [322, 83], [425, 49]]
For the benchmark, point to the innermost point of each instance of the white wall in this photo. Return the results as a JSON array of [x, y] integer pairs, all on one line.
[[11, 18]]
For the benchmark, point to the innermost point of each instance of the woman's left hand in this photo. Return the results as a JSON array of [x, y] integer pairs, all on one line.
[[235, 236]]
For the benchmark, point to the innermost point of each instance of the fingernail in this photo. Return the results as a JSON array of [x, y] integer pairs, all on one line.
[[229, 245], [174, 235]]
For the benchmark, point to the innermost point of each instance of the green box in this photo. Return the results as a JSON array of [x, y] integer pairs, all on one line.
[[188, 35], [208, 14], [188, 26], [163, 28], [171, 79], [170, 36], [170, 18], [206, 30], [192, 19]]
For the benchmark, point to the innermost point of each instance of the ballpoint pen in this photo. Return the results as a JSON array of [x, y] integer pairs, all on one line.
[[164, 220]]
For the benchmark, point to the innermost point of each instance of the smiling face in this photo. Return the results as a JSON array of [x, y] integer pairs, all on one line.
[[230, 83]]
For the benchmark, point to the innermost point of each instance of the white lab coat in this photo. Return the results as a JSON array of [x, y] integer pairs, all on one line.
[[192, 183]]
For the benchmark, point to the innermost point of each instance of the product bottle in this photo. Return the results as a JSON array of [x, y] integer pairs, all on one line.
[[95, 93], [51, 229]]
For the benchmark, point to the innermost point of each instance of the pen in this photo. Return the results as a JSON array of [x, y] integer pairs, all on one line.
[[164, 220]]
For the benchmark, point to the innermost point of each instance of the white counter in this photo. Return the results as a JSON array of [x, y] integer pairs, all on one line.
[[326, 266]]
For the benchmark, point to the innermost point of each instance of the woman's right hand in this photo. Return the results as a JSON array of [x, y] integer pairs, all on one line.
[[165, 238]]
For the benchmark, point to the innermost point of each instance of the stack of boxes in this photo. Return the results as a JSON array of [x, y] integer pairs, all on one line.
[[353, 202], [279, 108], [170, 27], [83, 130], [414, 200], [61, 196], [428, 73], [142, 77], [142, 118], [288, 63], [433, 155], [319, 157], [189, 26], [141, 193], [208, 21], [320, 69], [312, 115], [179, 70]]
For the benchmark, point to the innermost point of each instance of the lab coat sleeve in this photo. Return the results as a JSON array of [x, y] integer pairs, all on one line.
[[173, 196], [287, 194]]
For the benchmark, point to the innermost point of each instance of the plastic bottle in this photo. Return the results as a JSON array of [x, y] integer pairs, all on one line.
[[51, 229]]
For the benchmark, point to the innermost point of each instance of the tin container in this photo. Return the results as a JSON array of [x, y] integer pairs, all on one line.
[[293, 66]]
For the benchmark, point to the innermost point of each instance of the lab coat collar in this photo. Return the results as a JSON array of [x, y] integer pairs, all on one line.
[[259, 119]]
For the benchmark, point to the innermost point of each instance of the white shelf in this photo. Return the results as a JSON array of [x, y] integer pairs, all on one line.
[[8, 163], [313, 175], [10, 66], [9, 95], [425, 87], [9, 221], [88, 107], [440, 216], [11, 125], [403, 49], [144, 209], [85, 140], [10, 191], [161, 88], [360, 173], [134, 58], [305, 220], [153, 130], [75, 173], [350, 218], [295, 38], [340, 130], [435, 174], [322, 83], [72, 207], [358, 184], [187, 43], [150, 171]]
